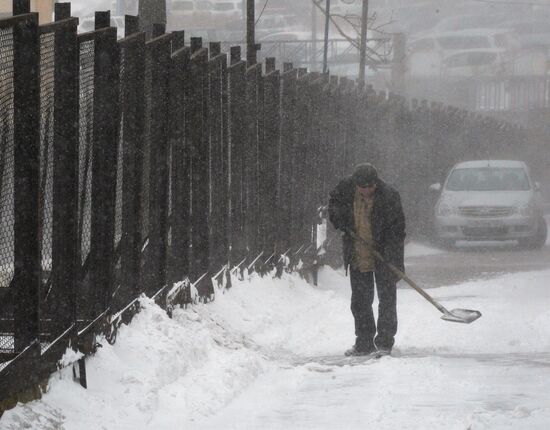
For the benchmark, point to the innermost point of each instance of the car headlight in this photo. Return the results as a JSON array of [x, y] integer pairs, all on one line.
[[445, 209], [526, 210]]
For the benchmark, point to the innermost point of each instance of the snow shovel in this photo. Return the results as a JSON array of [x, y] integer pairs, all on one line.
[[465, 316]]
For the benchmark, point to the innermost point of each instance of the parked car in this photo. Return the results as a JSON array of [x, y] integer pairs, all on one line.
[[490, 200], [450, 41], [462, 53], [478, 62]]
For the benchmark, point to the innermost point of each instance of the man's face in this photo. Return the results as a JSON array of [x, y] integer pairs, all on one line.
[[367, 191]]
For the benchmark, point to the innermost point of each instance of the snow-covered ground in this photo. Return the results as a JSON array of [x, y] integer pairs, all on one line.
[[256, 358], [415, 249]]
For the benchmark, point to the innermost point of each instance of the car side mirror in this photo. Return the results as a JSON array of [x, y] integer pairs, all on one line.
[[435, 187], [537, 186]]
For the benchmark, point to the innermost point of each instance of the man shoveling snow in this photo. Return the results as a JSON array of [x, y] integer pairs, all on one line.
[[365, 206]]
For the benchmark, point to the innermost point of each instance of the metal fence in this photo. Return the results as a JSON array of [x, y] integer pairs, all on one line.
[[129, 165], [516, 94]]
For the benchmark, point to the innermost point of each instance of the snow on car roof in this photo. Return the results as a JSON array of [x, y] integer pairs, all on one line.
[[491, 163]]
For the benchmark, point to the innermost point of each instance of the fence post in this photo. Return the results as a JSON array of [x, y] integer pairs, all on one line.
[[21, 7], [303, 118], [62, 11], [251, 158], [132, 96], [285, 191], [26, 147], [65, 171], [178, 40], [200, 178], [218, 209], [181, 192], [104, 166], [236, 137], [269, 159], [160, 52], [131, 25], [102, 19]]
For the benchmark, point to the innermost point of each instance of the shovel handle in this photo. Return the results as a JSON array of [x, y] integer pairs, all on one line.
[[397, 272]]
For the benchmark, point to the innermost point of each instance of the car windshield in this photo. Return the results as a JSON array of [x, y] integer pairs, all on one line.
[[488, 179], [463, 42], [471, 59]]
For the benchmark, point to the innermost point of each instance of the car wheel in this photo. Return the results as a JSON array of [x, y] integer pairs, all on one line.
[[539, 239]]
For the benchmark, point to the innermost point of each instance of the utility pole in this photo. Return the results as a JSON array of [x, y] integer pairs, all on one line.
[[398, 68], [250, 42], [243, 19], [314, 36], [363, 42], [325, 49]]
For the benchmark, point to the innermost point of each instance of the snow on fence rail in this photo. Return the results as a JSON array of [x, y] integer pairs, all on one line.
[[128, 166]]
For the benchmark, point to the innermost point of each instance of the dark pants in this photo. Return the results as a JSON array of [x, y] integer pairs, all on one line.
[[362, 295]]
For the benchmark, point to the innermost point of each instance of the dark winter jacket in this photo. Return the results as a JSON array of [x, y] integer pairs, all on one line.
[[388, 223]]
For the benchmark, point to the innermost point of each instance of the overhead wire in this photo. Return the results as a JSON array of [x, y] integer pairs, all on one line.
[[261, 13]]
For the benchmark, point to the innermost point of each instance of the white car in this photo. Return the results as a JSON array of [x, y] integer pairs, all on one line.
[[451, 41], [433, 54], [490, 200], [478, 62], [494, 62]]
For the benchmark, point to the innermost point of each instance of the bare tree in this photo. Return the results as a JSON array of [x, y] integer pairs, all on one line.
[[349, 27]]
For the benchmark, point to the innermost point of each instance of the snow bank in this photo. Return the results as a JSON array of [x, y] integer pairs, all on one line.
[[235, 363], [161, 371]]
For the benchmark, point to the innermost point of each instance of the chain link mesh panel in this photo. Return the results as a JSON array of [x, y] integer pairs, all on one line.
[[129, 176], [47, 56], [6, 158], [120, 167], [85, 146]]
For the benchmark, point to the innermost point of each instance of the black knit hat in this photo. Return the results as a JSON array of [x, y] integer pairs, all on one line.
[[365, 174]]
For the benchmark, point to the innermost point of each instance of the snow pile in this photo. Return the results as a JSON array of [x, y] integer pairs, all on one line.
[[163, 372], [253, 359]]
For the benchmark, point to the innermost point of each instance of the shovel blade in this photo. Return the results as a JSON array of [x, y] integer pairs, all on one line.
[[465, 316]]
